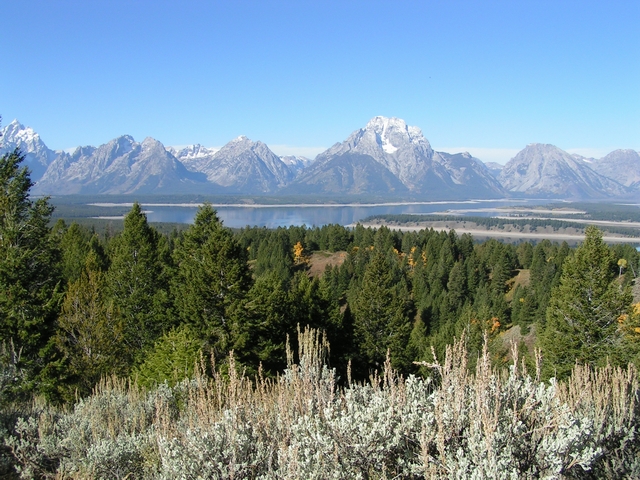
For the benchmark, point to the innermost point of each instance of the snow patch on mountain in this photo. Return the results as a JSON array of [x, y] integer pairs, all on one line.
[[191, 152], [37, 155], [120, 166], [244, 166]]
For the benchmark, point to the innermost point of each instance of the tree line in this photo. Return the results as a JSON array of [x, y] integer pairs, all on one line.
[[76, 307], [531, 222]]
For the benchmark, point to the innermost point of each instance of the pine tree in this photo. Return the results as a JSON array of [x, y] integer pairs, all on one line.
[[275, 255], [90, 332], [584, 311], [172, 358], [525, 254], [136, 283], [270, 318], [383, 315], [29, 276], [456, 289], [211, 280], [75, 245]]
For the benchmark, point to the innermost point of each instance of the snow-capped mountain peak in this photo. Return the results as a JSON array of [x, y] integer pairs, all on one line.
[[15, 128], [37, 155], [402, 149], [393, 133], [191, 152], [15, 132], [403, 152]]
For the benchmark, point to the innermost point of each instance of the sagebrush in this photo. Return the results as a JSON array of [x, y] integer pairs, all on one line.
[[455, 424]]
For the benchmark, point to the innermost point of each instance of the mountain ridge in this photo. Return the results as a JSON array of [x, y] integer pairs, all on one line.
[[546, 170], [386, 157]]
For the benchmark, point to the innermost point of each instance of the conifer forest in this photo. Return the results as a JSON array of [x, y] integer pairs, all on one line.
[[212, 353]]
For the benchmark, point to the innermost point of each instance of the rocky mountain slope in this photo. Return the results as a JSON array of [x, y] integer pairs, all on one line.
[[385, 158], [38, 156], [494, 168], [348, 174], [386, 148], [119, 167], [296, 163], [622, 166], [243, 166], [545, 170]]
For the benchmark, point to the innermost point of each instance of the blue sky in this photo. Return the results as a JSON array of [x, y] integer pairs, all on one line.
[[485, 76]]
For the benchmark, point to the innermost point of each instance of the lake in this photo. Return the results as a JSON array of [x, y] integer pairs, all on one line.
[[273, 216]]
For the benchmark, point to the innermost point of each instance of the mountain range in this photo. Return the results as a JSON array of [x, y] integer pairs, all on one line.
[[386, 158]]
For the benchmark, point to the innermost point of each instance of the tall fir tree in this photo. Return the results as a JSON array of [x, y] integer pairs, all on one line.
[[211, 280], [136, 283], [275, 254], [74, 245], [29, 273], [584, 311], [270, 318], [383, 315]]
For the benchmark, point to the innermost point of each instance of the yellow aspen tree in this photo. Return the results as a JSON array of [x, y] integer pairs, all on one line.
[[299, 255]]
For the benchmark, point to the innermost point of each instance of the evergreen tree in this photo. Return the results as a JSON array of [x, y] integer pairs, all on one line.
[[90, 332], [584, 311], [523, 307], [270, 318], [29, 276], [383, 315], [456, 289], [362, 237], [74, 244], [525, 254], [173, 358], [211, 280], [275, 254], [339, 238], [136, 283]]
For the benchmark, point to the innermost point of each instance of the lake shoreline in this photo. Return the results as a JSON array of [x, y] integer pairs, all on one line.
[[480, 232], [303, 205]]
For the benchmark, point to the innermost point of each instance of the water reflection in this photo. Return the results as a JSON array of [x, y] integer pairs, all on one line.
[[285, 216]]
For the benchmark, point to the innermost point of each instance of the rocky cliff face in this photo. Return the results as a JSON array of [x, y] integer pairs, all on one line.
[[385, 158], [622, 166], [244, 166], [545, 170], [404, 153], [118, 167], [38, 156]]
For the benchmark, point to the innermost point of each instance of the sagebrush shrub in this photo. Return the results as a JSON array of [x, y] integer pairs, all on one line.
[[485, 424]]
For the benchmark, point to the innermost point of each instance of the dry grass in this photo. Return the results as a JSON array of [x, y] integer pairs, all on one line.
[[522, 279], [320, 260], [488, 423], [514, 335]]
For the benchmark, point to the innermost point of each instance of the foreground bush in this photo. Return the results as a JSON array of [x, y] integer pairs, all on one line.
[[491, 424]]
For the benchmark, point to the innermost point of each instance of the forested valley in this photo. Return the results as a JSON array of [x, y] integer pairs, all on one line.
[[429, 355]]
